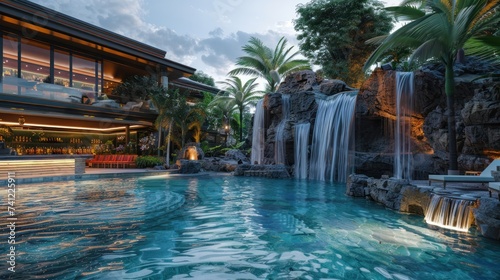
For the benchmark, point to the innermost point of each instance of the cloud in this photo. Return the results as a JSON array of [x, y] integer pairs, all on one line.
[[214, 54]]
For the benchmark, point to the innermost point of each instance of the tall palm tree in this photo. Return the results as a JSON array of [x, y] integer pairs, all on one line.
[[239, 94], [440, 30], [271, 65]]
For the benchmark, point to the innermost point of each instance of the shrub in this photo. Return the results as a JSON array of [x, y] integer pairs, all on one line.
[[148, 161]]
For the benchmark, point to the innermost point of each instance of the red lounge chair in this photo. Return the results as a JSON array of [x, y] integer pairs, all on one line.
[[118, 159], [103, 161], [125, 159], [110, 161], [95, 160], [131, 161]]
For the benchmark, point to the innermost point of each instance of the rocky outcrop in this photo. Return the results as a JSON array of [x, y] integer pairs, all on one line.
[[487, 217], [477, 109], [392, 193], [401, 196], [228, 163], [189, 166]]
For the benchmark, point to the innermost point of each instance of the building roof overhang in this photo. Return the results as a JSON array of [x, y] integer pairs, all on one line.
[[60, 27], [187, 83]]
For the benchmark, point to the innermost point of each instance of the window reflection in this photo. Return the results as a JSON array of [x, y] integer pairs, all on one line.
[[75, 78], [84, 73], [10, 71], [35, 65], [61, 68]]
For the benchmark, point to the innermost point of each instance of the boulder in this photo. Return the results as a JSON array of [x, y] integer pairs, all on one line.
[[487, 217], [236, 155], [298, 82], [189, 166]]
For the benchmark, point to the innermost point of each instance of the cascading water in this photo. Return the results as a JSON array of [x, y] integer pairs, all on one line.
[[404, 108], [301, 143], [332, 136], [279, 142], [450, 213], [257, 155]]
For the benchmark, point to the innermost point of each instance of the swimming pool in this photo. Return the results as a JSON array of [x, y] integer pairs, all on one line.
[[230, 228]]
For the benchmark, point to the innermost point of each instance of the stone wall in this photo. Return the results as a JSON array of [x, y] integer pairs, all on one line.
[[402, 196]]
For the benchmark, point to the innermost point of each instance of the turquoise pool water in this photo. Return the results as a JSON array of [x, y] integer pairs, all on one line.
[[229, 228]]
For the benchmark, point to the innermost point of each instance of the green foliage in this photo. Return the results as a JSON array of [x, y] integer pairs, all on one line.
[[148, 161], [175, 111], [212, 151], [203, 78], [138, 88], [332, 34], [237, 95], [261, 61], [441, 29]]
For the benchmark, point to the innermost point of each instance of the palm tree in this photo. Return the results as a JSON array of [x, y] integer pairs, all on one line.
[[440, 30], [268, 64], [175, 112], [239, 94]]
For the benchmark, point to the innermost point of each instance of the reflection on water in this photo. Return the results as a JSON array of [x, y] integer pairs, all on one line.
[[231, 228]]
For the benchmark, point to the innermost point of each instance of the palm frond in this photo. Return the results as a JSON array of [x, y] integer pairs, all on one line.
[[405, 13]]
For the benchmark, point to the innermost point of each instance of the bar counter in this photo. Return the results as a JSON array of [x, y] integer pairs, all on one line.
[[29, 166]]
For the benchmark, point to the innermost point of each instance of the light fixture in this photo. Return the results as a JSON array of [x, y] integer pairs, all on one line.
[[21, 120]]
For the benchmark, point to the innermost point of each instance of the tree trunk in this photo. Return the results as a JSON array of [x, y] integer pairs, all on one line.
[[167, 156], [452, 131], [241, 124], [159, 140]]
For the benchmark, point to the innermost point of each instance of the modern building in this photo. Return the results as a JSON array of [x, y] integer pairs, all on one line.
[[58, 76]]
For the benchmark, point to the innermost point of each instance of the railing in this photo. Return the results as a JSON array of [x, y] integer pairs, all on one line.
[[33, 89]]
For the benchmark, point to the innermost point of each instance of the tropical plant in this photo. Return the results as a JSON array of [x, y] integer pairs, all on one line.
[[174, 112], [271, 65], [441, 29], [237, 94], [332, 33], [138, 88], [201, 77], [148, 161]]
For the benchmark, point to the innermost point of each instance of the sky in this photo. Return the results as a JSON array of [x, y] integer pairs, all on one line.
[[206, 35]]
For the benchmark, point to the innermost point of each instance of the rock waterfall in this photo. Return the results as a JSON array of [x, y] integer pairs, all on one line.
[[404, 106], [450, 213], [279, 144], [333, 138], [257, 155], [300, 149]]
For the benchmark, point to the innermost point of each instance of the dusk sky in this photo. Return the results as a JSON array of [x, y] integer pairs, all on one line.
[[206, 35]]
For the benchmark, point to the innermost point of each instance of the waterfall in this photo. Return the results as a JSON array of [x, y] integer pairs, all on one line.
[[332, 136], [300, 149], [257, 155], [450, 213], [279, 142], [402, 135]]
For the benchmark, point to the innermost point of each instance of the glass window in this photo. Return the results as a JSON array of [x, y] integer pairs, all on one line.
[[84, 76], [10, 72], [35, 64], [99, 76], [61, 68]]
